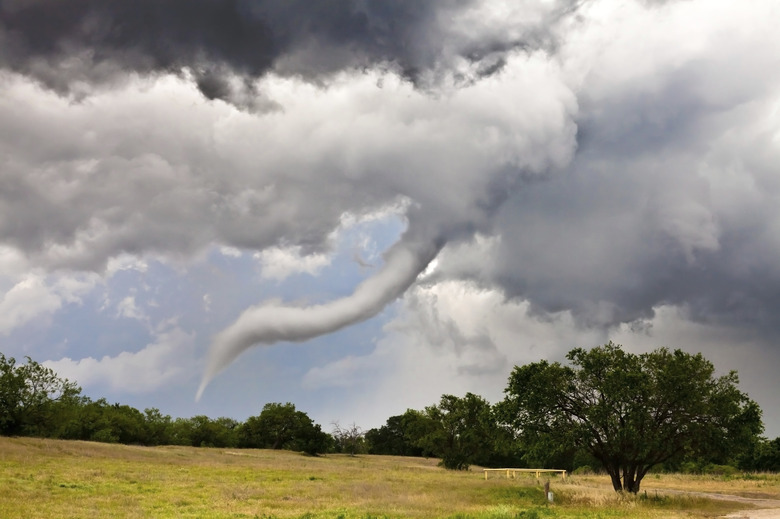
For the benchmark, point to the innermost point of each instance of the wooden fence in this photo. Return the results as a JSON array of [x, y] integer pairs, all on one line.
[[512, 473]]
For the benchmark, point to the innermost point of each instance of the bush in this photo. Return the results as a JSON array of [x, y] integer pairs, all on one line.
[[719, 470], [584, 470], [710, 469]]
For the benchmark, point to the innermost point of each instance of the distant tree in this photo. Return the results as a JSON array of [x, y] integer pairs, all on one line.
[[181, 431], [226, 432], [91, 421], [158, 427], [127, 423], [29, 394], [402, 435], [104, 422], [348, 439], [764, 456], [467, 431], [281, 426], [202, 431], [64, 411], [630, 412], [311, 439], [273, 428], [387, 439]]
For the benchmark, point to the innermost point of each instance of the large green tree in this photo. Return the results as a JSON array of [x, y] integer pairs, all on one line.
[[402, 434], [630, 412], [466, 432], [281, 426], [31, 397]]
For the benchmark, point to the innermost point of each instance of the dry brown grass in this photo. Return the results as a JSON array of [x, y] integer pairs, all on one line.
[[676, 495], [49, 478], [764, 486]]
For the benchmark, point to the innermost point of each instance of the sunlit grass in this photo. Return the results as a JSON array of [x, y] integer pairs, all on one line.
[[752, 485], [48, 479]]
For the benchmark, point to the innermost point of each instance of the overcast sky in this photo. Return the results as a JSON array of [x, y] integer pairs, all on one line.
[[359, 205]]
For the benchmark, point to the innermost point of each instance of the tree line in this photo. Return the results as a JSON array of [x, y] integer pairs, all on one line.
[[34, 401], [606, 409]]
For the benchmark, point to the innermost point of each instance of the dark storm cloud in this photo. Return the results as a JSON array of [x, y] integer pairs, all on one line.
[[64, 44], [671, 198], [617, 264]]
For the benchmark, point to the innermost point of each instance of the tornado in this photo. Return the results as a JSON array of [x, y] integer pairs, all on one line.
[[267, 324]]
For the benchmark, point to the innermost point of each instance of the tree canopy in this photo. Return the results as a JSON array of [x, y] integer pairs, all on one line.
[[402, 435], [630, 412], [281, 426], [466, 432], [30, 395]]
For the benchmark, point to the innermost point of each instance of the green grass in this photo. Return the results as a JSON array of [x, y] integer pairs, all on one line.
[[63, 479]]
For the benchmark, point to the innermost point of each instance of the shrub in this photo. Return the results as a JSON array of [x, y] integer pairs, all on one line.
[[584, 470]]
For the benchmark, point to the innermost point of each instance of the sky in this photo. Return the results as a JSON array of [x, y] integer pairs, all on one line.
[[360, 205]]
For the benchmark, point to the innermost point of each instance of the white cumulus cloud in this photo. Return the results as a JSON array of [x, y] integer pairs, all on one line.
[[168, 359]]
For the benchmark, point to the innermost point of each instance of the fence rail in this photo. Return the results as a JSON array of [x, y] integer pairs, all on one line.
[[512, 473]]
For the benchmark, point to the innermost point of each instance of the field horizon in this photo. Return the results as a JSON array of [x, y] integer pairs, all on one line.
[[45, 478]]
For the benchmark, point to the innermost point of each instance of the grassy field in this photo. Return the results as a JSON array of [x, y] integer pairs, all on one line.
[[61, 479]]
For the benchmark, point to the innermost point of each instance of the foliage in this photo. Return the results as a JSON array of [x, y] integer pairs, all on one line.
[[202, 431], [348, 439], [158, 427], [466, 431], [401, 435], [763, 456], [311, 439], [630, 412], [111, 423], [582, 470], [34, 401], [281, 426], [30, 396]]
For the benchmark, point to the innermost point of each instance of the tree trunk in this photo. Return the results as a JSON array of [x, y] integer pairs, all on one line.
[[614, 474], [629, 481], [632, 475], [635, 480]]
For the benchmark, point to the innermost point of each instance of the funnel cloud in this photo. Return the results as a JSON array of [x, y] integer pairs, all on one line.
[[271, 323]]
